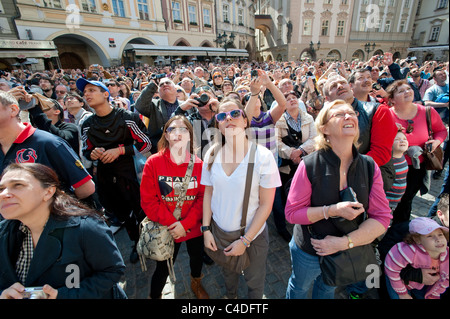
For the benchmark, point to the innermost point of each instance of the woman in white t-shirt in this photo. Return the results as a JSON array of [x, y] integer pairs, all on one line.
[[224, 175]]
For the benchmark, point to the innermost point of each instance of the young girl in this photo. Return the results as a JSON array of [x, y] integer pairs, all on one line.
[[424, 247]]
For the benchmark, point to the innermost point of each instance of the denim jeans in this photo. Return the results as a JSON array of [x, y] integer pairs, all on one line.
[[305, 273], [417, 294]]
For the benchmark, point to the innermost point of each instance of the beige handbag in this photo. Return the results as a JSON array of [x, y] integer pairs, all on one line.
[[155, 241]]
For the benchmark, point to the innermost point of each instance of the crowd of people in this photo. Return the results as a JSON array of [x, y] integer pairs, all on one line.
[[298, 134]]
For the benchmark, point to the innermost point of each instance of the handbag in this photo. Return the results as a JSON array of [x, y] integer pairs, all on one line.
[[348, 266], [155, 241], [139, 163], [223, 239], [433, 160]]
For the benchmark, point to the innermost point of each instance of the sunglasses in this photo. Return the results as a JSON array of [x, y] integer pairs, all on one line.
[[410, 128], [181, 129], [235, 114], [242, 91], [204, 88], [217, 76], [111, 84]]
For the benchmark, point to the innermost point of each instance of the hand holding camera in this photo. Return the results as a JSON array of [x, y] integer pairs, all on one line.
[[18, 291]]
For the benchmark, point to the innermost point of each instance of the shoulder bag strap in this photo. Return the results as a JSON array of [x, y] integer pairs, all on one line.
[[248, 184], [430, 130], [184, 187]]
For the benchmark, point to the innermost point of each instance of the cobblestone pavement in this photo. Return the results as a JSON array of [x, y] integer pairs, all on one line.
[[137, 283]]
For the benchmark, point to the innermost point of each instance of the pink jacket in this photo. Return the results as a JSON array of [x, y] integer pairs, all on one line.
[[403, 254]]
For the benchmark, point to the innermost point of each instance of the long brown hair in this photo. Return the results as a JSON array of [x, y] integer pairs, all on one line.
[[63, 205], [163, 144]]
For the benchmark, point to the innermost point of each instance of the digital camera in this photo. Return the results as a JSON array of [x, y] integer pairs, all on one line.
[[202, 99], [34, 293]]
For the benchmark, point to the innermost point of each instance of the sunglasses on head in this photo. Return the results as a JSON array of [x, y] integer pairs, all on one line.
[[410, 128], [220, 117]]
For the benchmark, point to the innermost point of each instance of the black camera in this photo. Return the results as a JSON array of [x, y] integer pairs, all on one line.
[[254, 74], [202, 100], [376, 86]]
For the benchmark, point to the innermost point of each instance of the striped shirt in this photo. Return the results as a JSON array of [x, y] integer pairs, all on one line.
[[394, 195], [262, 130]]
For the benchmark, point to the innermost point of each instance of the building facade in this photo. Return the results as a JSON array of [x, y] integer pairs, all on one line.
[[333, 29], [78, 33], [431, 31]]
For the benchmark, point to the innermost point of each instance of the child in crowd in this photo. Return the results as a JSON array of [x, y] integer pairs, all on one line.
[[424, 247], [398, 188]]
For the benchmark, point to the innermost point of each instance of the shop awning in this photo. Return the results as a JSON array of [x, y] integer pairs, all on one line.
[[156, 50], [23, 54], [428, 48]]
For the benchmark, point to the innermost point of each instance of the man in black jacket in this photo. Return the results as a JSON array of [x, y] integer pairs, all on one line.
[[109, 137]]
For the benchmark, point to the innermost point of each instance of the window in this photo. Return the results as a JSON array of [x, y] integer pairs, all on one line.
[[392, 3], [241, 16], [325, 24], [53, 4], [434, 35], [365, 2], [402, 26], [88, 6], [340, 28], [407, 3], [307, 27], [207, 17], [387, 26], [192, 14], [176, 13], [442, 4], [328, 1], [344, 1], [362, 24], [382, 3], [225, 13], [118, 8], [143, 10]]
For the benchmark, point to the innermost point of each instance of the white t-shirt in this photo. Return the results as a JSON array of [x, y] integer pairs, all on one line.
[[228, 191]]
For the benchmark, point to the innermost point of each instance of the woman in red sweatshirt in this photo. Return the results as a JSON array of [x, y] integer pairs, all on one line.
[[162, 178]]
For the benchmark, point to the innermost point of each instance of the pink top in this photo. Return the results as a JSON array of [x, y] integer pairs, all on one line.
[[299, 199], [419, 135], [403, 254]]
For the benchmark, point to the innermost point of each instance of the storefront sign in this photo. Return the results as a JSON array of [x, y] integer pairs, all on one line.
[[26, 44]]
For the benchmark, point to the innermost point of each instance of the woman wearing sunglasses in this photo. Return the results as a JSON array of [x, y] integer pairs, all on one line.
[[314, 200], [412, 117], [224, 176], [161, 184]]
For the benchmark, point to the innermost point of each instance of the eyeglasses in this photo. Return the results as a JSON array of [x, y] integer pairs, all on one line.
[[235, 114], [342, 115], [181, 130], [179, 91], [60, 92], [70, 98], [410, 128], [403, 91]]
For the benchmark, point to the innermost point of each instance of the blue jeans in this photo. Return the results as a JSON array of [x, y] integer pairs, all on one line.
[[306, 272], [417, 294]]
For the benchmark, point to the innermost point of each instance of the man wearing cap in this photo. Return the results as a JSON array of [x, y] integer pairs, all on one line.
[[52, 121], [22, 143], [109, 137]]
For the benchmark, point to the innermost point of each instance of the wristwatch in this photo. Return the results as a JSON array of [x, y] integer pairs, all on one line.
[[350, 242], [205, 228]]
